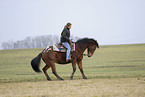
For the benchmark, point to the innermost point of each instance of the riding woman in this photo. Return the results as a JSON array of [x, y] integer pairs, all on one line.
[[65, 35]]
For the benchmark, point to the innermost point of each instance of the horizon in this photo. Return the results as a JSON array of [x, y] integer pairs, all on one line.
[[75, 41]]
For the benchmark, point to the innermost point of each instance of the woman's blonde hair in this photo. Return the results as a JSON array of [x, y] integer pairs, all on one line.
[[67, 25]]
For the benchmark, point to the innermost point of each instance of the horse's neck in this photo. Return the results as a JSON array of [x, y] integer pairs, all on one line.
[[81, 48]]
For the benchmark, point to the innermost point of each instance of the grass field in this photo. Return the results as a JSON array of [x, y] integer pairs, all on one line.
[[113, 71]]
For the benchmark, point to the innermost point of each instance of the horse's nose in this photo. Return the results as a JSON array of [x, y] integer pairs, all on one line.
[[89, 55]]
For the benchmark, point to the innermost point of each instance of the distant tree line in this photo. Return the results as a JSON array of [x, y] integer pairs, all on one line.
[[34, 42]]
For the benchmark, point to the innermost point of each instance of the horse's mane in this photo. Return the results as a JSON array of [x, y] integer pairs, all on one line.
[[87, 40]]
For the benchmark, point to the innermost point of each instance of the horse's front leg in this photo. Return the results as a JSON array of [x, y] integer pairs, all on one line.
[[81, 69], [74, 69]]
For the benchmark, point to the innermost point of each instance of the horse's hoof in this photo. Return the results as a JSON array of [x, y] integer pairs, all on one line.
[[49, 79], [60, 79], [71, 78], [84, 78]]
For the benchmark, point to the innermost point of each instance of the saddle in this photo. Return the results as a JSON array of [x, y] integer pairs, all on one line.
[[59, 47]]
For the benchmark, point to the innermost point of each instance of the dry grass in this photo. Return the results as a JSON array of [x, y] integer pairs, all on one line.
[[114, 87]]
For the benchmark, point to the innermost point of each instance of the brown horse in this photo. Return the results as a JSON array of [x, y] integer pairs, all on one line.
[[52, 57]]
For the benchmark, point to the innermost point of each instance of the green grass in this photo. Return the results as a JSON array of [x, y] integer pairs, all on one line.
[[113, 71], [115, 61]]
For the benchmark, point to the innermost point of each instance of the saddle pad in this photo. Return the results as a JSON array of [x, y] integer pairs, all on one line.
[[58, 48]]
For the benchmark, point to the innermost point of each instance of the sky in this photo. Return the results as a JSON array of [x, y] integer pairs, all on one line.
[[107, 21]]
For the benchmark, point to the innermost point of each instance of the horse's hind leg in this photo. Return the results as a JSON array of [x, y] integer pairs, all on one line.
[[54, 71], [45, 71]]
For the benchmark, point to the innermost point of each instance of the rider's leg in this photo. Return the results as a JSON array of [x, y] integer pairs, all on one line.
[[66, 44]]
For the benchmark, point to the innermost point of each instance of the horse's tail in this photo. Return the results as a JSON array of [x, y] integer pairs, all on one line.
[[35, 63]]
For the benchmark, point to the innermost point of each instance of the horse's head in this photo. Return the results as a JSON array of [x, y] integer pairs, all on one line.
[[93, 44], [89, 44]]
